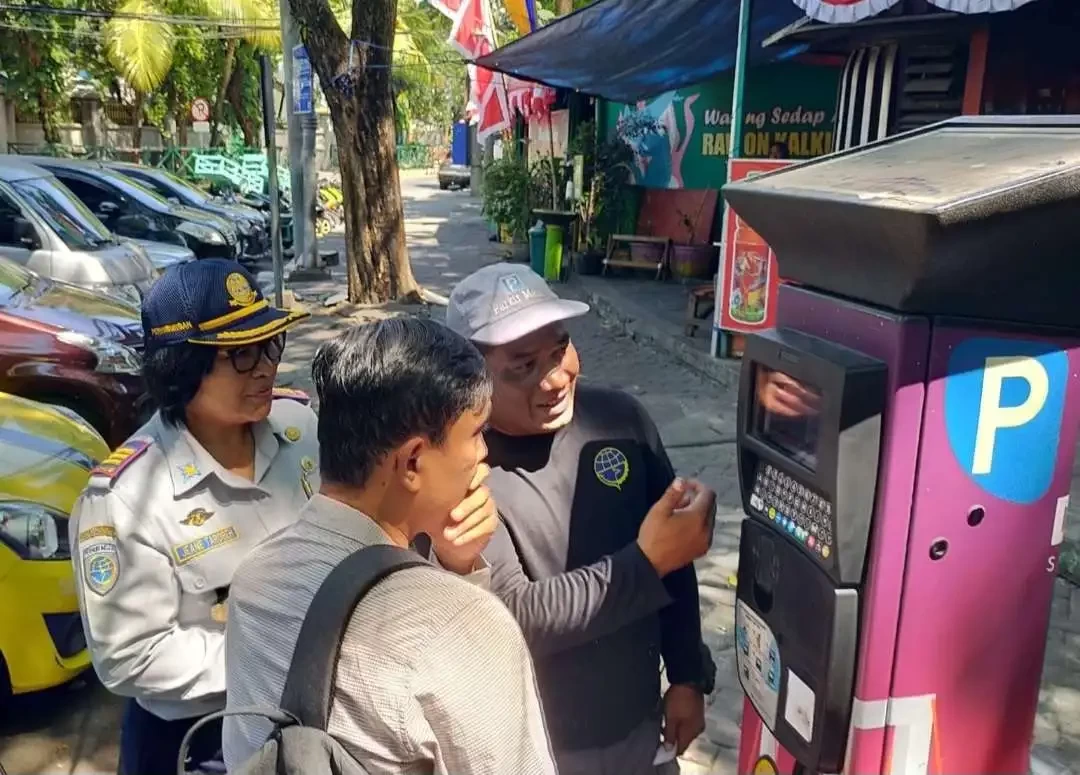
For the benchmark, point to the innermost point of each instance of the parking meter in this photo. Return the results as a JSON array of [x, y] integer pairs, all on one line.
[[906, 439]]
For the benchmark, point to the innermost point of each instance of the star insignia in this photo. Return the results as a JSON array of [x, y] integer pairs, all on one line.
[[189, 471]]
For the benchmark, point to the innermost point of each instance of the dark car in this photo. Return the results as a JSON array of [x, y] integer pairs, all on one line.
[[130, 209], [69, 346], [253, 226]]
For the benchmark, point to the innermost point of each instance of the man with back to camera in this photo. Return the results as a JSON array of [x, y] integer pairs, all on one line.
[[434, 677], [594, 553]]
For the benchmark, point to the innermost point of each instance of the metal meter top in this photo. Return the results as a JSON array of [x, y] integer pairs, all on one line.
[[974, 217]]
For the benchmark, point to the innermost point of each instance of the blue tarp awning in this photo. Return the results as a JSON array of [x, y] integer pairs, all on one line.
[[627, 50]]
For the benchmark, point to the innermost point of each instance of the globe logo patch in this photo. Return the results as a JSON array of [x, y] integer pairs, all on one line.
[[611, 467], [101, 566]]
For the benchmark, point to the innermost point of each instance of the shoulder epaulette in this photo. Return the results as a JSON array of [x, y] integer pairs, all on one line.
[[292, 394], [109, 468]]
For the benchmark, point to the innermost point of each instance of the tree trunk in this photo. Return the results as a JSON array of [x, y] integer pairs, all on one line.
[[235, 96], [137, 118], [219, 103], [563, 7], [376, 253]]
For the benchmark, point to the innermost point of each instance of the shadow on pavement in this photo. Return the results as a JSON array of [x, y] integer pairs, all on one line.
[[71, 729]]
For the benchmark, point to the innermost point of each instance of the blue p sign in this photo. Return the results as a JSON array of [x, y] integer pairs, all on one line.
[[1004, 403]]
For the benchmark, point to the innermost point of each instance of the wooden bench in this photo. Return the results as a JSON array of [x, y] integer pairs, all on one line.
[[661, 265], [702, 297]]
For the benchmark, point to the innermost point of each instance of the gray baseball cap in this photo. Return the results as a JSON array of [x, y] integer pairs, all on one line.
[[503, 302]]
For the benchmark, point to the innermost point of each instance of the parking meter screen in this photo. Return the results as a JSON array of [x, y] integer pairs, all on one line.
[[786, 415]]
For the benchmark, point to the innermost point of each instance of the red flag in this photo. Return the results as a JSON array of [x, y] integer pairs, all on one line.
[[492, 96]]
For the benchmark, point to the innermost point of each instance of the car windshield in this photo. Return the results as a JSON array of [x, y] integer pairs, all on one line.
[[187, 191], [64, 213], [14, 279], [132, 188]]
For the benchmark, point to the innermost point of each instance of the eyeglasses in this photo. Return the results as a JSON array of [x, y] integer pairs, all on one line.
[[245, 359]]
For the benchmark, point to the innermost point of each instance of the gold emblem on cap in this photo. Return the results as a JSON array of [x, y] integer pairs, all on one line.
[[240, 291], [292, 433]]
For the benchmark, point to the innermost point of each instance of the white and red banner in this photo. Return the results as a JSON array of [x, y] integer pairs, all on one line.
[[847, 11], [493, 97]]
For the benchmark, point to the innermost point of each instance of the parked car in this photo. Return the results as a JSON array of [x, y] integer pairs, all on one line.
[[254, 228], [454, 175], [45, 459], [163, 255], [68, 346], [44, 227], [131, 210]]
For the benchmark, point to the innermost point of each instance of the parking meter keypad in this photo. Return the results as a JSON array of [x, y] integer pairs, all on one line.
[[795, 509]]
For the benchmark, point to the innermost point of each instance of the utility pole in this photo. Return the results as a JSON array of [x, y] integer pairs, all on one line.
[[269, 134], [302, 128]]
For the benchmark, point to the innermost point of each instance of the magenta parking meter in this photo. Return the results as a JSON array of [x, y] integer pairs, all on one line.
[[906, 440]]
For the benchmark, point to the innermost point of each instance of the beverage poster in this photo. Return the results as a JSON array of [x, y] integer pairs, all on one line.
[[748, 281]]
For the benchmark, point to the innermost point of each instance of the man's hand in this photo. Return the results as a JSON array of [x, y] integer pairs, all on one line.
[[472, 523], [786, 396], [684, 716], [678, 528]]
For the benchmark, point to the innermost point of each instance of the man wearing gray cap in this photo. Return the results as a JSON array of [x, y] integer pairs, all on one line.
[[594, 554]]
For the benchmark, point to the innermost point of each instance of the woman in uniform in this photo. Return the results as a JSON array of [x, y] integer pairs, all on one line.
[[225, 461]]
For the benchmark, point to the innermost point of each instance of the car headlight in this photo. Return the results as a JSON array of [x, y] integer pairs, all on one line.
[[201, 233], [112, 357], [34, 531]]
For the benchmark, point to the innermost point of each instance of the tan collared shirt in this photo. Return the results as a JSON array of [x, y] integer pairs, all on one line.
[[434, 676], [155, 543]]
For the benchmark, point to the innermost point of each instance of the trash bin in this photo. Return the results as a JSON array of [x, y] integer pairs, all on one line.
[[537, 249], [553, 248]]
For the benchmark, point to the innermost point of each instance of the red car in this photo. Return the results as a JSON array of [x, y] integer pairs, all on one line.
[[71, 347]]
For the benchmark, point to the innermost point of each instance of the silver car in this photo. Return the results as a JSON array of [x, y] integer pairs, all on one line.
[[44, 227]]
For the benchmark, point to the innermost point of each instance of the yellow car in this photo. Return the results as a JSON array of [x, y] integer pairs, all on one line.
[[46, 454]]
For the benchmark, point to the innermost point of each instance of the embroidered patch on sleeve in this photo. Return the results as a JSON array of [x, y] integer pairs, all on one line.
[[100, 566], [121, 458]]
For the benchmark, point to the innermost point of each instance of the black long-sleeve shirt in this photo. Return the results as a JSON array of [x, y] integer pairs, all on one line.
[[565, 561]]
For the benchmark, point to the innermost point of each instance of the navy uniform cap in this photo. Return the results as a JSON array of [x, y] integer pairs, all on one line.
[[211, 301]]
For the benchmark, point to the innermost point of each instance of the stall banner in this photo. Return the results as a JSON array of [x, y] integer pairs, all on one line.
[[748, 281], [680, 139], [843, 11]]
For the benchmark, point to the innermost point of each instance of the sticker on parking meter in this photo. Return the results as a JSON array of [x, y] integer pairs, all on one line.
[[1004, 405], [757, 658]]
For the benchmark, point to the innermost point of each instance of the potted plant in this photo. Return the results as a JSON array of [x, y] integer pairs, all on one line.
[[607, 170], [689, 260], [506, 195]]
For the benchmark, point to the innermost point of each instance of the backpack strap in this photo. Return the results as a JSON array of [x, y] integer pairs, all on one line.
[[278, 717], [309, 685]]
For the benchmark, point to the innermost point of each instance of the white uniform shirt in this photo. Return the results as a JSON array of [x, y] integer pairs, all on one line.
[[155, 540]]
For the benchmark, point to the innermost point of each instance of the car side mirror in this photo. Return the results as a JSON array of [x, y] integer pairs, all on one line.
[[136, 226], [26, 234], [107, 209]]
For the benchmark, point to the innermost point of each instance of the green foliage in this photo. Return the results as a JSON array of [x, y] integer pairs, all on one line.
[[40, 60], [607, 173], [506, 193]]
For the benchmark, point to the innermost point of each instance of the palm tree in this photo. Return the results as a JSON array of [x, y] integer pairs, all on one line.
[[140, 42]]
